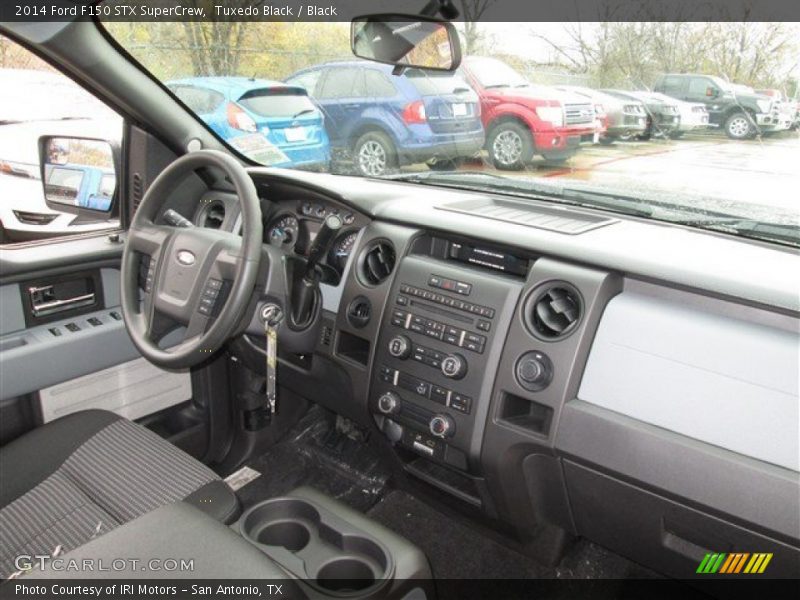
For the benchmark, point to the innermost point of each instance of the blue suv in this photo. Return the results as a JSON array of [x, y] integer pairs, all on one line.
[[268, 121], [381, 121]]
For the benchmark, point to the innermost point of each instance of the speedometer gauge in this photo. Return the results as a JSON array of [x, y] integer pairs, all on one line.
[[283, 231], [341, 250]]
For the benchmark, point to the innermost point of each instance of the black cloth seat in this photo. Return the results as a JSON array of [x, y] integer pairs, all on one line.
[[85, 474]]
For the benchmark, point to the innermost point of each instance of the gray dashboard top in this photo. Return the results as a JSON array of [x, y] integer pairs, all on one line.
[[676, 255]]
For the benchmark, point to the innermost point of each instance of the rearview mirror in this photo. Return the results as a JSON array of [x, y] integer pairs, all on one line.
[[78, 174], [406, 41]]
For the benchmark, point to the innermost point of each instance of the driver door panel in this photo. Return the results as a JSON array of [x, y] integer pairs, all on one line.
[[75, 358]]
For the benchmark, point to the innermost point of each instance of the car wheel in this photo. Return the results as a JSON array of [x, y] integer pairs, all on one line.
[[644, 137], [450, 164], [374, 154], [738, 126], [510, 146]]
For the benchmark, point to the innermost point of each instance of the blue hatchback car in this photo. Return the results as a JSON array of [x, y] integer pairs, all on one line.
[[269, 121], [380, 121]]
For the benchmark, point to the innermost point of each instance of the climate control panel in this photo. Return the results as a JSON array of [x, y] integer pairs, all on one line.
[[438, 350]]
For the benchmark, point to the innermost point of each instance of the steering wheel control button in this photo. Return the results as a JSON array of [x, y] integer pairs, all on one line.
[[454, 366], [534, 371], [209, 298], [151, 271], [442, 426], [389, 403], [206, 306], [400, 347]]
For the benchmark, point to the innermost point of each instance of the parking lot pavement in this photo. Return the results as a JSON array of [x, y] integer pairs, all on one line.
[[757, 179]]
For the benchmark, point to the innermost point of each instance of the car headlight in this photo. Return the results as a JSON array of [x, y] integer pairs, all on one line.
[[553, 114], [764, 106]]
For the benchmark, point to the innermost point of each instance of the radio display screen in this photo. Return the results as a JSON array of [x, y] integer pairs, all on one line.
[[488, 258]]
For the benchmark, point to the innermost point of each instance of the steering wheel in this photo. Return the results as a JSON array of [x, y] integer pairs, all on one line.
[[200, 278]]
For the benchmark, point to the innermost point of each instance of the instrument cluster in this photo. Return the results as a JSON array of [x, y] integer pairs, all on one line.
[[294, 225]]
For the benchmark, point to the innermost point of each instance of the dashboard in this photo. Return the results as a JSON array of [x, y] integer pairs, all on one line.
[[545, 366]]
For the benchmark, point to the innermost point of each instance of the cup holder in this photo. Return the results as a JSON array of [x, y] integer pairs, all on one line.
[[318, 546], [291, 535], [345, 575], [284, 522]]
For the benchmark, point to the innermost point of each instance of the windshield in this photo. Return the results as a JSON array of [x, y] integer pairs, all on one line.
[[523, 111]]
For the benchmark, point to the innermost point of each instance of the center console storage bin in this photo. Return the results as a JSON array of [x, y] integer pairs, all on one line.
[[332, 548]]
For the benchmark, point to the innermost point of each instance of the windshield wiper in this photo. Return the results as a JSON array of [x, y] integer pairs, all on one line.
[[305, 111], [776, 232], [478, 181], [495, 86]]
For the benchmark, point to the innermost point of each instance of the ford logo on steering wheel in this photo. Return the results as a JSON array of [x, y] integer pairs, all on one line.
[[185, 257]]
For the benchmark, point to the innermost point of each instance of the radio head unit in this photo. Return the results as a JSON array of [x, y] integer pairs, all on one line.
[[489, 258]]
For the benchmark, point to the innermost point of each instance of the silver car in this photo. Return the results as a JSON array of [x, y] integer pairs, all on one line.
[[694, 116], [624, 119]]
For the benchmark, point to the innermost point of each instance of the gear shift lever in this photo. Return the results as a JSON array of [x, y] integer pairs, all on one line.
[[304, 289], [322, 244]]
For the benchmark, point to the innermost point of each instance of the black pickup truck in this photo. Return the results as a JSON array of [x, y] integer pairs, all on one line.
[[742, 114]]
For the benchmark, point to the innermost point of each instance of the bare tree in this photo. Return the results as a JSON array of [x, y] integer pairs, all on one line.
[[635, 53], [472, 11], [214, 46]]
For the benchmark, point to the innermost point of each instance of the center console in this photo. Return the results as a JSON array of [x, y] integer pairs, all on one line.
[[439, 346]]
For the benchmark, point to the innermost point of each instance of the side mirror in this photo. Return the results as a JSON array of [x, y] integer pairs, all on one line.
[[406, 41], [78, 175]]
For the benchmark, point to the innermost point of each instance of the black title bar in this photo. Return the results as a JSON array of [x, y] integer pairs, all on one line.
[[344, 10]]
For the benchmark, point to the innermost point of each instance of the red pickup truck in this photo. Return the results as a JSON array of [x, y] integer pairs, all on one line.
[[522, 119]]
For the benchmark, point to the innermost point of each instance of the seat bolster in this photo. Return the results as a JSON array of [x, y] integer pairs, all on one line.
[[29, 460]]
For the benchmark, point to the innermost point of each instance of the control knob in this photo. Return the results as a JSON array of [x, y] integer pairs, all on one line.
[[389, 403], [454, 366], [442, 426], [400, 347], [534, 371]]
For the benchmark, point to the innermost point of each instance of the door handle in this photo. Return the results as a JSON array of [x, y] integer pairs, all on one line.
[[44, 302]]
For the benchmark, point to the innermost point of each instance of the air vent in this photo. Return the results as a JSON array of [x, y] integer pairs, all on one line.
[[379, 262], [214, 215], [555, 311], [137, 190], [359, 312]]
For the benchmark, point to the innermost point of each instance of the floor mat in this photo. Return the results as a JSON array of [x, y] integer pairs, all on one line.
[[317, 454], [457, 551]]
